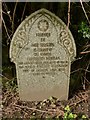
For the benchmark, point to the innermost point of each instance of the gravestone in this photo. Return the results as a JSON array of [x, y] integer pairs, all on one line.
[[42, 49]]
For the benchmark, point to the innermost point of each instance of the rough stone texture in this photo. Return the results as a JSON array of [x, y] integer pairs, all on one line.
[[42, 49]]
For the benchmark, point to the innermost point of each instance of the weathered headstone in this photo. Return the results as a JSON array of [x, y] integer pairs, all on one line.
[[42, 49]]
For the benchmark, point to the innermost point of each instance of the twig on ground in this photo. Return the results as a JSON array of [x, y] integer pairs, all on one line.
[[14, 16], [86, 52], [87, 46], [80, 69], [4, 77], [74, 104], [42, 111], [23, 11], [86, 80], [34, 109], [84, 12], [68, 13], [85, 76], [6, 30], [84, 98], [6, 8]]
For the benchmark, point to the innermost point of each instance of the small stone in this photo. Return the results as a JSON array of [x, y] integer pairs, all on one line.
[[45, 100], [34, 114], [40, 107], [53, 105], [44, 104], [36, 103], [8, 12], [1, 106]]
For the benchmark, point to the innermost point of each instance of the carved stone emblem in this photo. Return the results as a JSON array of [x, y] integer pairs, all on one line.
[[43, 25]]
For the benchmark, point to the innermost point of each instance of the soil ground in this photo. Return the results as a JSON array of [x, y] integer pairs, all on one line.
[[50, 108]]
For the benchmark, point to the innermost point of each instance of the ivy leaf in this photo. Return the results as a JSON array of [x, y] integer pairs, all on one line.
[[67, 108], [83, 116]]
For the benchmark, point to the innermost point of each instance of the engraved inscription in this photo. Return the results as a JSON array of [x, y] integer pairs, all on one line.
[[43, 65], [43, 34]]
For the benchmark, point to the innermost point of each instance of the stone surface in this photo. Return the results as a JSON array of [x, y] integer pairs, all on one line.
[[42, 49]]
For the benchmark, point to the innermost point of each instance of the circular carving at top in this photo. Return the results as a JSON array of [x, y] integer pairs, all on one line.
[[43, 25]]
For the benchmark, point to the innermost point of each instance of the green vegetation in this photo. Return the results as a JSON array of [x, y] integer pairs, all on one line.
[[68, 115], [84, 30]]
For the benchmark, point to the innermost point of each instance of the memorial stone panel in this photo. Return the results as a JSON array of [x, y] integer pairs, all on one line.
[[42, 49]]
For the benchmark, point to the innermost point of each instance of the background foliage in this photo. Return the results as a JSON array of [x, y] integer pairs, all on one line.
[[13, 14]]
